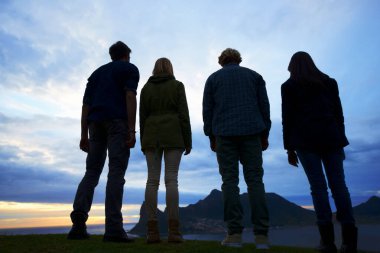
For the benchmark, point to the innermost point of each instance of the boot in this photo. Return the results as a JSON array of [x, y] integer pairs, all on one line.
[[153, 235], [174, 234], [327, 244], [349, 238], [79, 229]]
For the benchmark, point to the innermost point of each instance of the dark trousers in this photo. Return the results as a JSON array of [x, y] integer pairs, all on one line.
[[247, 150], [333, 168], [111, 136]]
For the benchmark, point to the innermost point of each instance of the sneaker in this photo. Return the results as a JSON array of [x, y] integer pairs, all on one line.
[[119, 239], [233, 240], [78, 233], [261, 242]]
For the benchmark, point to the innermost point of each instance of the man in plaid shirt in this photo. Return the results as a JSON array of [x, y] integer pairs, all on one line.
[[236, 118]]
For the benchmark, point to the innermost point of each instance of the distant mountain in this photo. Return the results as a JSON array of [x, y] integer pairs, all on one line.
[[206, 216], [368, 212]]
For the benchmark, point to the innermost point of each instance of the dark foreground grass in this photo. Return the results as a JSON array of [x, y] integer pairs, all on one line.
[[59, 244]]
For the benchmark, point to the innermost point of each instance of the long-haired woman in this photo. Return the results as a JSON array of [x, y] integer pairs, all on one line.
[[314, 133], [165, 132]]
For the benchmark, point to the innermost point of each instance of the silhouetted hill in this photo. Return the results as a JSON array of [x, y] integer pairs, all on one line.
[[369, 211], [206, 216]]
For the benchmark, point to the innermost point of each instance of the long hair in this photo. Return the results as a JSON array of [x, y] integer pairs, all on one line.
[[303, 70], [163, 66]]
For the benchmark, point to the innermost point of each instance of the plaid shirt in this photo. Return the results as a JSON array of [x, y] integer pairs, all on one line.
[[235, 103]]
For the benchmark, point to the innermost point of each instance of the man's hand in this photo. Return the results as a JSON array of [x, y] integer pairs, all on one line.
[[292, 158], [131, 139], [84, 144], [187, 151], [213, 143], [264, 143]]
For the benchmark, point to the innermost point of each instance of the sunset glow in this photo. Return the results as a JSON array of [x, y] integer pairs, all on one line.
[[23, 215]]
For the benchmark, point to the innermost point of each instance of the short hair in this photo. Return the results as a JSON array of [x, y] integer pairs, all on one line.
[[163, 66], [229, 55], [119, 50]]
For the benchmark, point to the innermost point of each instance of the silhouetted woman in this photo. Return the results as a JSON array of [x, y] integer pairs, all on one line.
[[165, 131], [313, 131]]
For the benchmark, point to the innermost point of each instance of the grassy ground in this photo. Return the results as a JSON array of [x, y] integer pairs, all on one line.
[[59, 244]]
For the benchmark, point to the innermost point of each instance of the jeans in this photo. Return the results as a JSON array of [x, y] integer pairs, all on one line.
[[333, 168], [111, 136], [247, 150], [172, 159]]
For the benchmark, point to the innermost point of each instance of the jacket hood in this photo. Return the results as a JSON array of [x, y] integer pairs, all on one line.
[[160, 78]]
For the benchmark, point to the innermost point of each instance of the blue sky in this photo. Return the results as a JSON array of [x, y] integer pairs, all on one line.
[[49, 48]]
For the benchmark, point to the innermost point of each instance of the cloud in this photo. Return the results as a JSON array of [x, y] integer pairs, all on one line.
[[49, 48], [51, 173]]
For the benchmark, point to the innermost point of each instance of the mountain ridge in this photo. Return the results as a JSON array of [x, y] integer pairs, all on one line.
[[206, 215]]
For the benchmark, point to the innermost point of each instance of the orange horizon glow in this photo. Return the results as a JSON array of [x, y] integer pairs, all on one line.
[[29, 215]]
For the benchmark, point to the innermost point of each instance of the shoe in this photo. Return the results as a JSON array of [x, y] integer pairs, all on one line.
[[349, 239], [153, 235], [119, 239], [233, 240], [79, 229], [261, 242], [174, 235], [327, 244], [78, 233]]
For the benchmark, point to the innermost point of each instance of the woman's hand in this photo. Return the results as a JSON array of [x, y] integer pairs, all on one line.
[[187, 151], [292, 158]]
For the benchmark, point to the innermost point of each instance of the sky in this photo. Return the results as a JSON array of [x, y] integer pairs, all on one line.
[[48, 49]]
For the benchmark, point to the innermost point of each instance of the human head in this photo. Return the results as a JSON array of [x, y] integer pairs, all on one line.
[[163, 66], [229, 55], [119, 51], [302, 67]]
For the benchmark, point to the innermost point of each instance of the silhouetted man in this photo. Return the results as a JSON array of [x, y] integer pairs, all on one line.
[[237, 120], [108, 117]]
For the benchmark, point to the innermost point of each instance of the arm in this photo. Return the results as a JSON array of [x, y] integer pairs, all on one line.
[[131, 114], [143, 115], [287, 108], [184, 118], [264, 106], [84, 142], [338, 110], [207, 112], [130, 86]]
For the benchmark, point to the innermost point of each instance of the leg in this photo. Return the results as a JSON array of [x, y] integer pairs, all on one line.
[[311, 162], [251, 159], [227, 152], [118, 161], [85, 192], [333, 163], [172, 161], [153, 159], [94, 166]]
